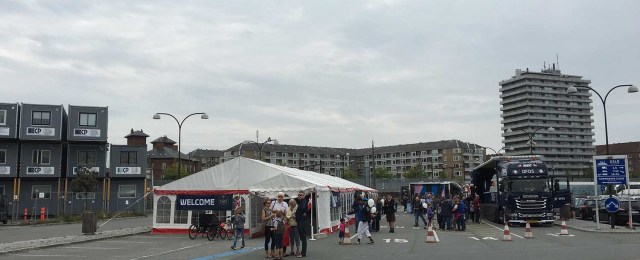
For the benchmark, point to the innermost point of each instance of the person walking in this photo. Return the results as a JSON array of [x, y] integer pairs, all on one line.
[[430, 215], [405, 202], [302, 217], [378, 216], [356, 208], [389, 209], [267, 219], [342, 228], [476, 207], [418, 211], [446, 212], [294, 236], [238, 222], [364, 223]]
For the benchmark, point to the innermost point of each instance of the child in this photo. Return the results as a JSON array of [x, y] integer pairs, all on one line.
[[342, 228], [278, 231], [429, 214]]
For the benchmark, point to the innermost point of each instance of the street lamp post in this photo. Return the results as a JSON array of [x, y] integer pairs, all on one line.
[[631, 89], [180, 123], [531, 134], [498, 152]]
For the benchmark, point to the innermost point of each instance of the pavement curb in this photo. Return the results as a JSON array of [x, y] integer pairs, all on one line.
[[600, 231], [74, 240]]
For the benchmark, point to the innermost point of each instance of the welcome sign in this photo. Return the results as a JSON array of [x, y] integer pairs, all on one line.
[[206, 202]]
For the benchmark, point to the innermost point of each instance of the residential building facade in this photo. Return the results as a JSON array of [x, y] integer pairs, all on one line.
[[539, 117], [206, 158], [164, 154], [453, 157]]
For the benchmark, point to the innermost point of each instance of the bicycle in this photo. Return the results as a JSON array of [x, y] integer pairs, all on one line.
[[206, 225]]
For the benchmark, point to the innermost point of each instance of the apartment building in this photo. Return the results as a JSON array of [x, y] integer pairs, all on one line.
[[454, 157], [539, 117], [207, 158]]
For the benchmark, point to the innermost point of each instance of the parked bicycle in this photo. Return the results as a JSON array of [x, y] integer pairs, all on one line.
[[207, 224]]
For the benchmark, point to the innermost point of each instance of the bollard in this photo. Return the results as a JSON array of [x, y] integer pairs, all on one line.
[[42, 214], [25, 216]]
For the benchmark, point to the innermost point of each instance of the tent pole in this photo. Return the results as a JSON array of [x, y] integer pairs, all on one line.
[[312, 205]]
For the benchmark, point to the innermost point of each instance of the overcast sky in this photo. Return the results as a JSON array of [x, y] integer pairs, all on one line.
[[321, 73]]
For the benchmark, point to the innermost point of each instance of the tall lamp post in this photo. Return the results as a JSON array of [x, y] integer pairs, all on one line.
[[498, 152], [180, 123], [631, 89], [531, 135]]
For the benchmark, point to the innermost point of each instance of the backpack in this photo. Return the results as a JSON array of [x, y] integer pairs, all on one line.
[[461, 208]]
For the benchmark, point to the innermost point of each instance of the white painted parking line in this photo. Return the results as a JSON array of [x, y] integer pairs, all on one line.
[[475, 238], [166, 252], [123, 242], [91, 247], [49, 256], [503, 231], [559, 235]]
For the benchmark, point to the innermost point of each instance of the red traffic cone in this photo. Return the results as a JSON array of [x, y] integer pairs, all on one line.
[[507, 233], [431, 235], [527, 231], [564, 230]]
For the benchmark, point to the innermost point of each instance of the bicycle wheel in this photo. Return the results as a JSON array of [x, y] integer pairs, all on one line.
[[211, 233], [193, 231], [222, 233], [230, 234]]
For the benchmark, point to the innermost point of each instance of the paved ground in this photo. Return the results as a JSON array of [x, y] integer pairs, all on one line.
[[17, 239]]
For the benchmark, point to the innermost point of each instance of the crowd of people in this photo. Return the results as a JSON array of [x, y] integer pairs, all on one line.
[[286, 225], [451, 213]]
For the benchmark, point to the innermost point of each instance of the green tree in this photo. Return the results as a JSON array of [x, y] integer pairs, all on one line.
[[443, 175], [349, 174], [171, 172], [85, 183], [414, 172], [382, 173]]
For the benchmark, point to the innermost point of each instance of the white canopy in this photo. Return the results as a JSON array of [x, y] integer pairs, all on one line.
[[236, 176], [288, 184]]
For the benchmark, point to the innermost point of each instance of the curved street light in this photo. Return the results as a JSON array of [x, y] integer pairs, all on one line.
[[531, 143], [259, 145], [498, 152], [574, 90], [180, 123]]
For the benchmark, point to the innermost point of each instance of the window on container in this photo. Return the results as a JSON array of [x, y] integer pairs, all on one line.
[[87, 158], [3, 117], [3, 156], [41, 191], [163, 210], [40, 118], [129, 158], [41, 157], [87, 119], [126, 191]]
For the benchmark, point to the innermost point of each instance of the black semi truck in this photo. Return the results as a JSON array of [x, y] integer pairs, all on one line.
[[514, 189]]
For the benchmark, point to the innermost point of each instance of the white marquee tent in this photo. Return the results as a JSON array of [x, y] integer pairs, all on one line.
[[252, 180]]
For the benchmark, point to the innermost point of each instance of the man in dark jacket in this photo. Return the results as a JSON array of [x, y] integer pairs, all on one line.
[[389, 209], [446, 212], [302, 217]]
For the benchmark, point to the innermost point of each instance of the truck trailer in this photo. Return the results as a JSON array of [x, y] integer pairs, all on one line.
[[514, 189]]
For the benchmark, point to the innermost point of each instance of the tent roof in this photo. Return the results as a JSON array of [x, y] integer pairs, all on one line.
[[236, 176], [282, 183]]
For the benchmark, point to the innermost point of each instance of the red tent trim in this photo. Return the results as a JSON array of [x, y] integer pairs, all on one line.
[[199, 192]]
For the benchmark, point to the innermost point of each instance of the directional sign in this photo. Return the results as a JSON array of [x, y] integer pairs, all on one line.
[[612, 204], [611, 169]]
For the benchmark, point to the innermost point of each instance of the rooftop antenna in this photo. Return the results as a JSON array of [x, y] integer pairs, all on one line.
[[544, 65], [557, 62]]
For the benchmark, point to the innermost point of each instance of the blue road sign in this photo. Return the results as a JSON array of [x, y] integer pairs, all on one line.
[[612, 204], [602, 189], [611, 169]]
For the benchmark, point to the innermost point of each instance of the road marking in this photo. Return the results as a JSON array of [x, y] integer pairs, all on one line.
[[488, 238], [166, 252], [65, 256], [397, 240], [435, 234], [503, 230], [91, 247], [559, 235], [124, 242], [228, 253], [475, 238]]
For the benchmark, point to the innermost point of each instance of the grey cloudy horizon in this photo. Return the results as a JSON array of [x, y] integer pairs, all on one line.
[[317, 73]]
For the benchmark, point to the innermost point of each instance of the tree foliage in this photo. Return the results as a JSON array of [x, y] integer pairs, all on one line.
[[85, 183], [349, 174], [414, 172], [171, 172], [382, 173]]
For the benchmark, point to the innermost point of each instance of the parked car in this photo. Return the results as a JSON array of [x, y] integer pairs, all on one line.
[[623, 213], [585, 208]]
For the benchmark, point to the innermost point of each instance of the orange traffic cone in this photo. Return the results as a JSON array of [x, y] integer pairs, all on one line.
[[431, 235], [347, 237], [527, 231], [564, 230], [507, 233]]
